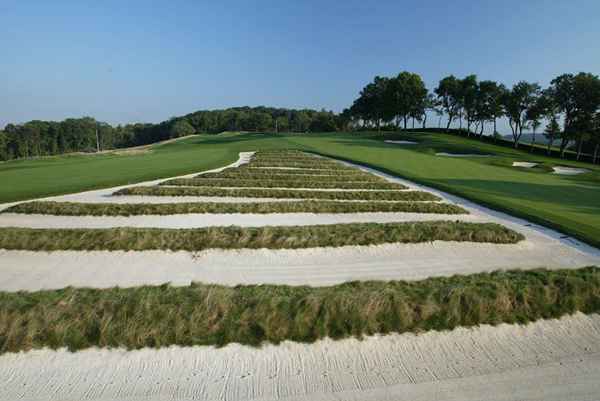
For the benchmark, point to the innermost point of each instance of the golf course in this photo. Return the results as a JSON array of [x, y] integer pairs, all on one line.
[[296, 201], [567, 203]]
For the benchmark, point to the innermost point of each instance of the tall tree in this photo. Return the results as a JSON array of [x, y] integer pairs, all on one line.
[[517, 102], [469, 95], [449, 95], [534, 115], [578, 99], [486, 104]]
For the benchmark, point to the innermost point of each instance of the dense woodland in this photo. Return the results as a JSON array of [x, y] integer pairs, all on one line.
[[566, 112], [42, 138]]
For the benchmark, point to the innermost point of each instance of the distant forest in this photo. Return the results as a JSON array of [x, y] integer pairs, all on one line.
[[44, 138], [566, 112]]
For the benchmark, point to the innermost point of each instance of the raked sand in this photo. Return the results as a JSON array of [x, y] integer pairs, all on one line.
[[553, 360]]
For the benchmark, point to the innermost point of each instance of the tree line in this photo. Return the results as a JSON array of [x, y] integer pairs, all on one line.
[[42, 138], [568, 110], [569, 107]]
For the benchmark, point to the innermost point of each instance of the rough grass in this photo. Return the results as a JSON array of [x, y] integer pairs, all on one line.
[[272, 237], [244, 169], [264, 183], [309, 206], [199, 314], [269, 174], [279, 193], [305, 164]]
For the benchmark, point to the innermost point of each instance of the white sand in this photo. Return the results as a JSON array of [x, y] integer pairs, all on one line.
[[27, 270], [402, 142], [461, 154], [211, 220], [569, 170], [524, 164], [552, 360]]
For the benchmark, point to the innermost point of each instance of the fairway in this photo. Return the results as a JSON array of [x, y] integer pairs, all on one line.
[[570, 204]]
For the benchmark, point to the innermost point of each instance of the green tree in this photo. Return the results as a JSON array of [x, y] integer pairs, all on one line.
[[449, 95], [181, 128], [488, 105], [469, 94], [517, 102], [551, 132], [577, 98]]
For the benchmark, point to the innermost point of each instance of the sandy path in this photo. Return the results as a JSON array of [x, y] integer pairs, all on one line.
[[27, 270], [209, 219], [546, 360]]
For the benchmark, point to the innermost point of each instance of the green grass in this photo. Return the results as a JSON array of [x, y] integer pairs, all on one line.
[[200, 314], [271, 237], [266, 183], [567, 203], [309, 206], [402, 196]]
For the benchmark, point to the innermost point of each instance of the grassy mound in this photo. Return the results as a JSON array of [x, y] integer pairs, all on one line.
[[261, 183], [118, 209], [280, 193], [273, 237], [202, 314]]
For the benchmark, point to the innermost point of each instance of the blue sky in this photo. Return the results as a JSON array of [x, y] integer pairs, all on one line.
[[129, 61]]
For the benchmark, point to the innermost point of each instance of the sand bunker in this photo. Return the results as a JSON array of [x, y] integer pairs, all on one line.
[[24, 270], [195, 220], [569, 170], [461, 154], [524, 164], [547, 360], [402, 142]]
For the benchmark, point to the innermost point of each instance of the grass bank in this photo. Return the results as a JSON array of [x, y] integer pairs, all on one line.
[[263, 183], [200, 314], [309, 206], [276, 237], [279, 193]]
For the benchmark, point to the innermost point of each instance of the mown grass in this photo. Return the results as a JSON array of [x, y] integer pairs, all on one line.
[[279, 193], [307, 206], [201, 314], [264, 183], [284, 175], [271, 237]]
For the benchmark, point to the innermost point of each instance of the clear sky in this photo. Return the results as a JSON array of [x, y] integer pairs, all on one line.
[[129, 61]]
